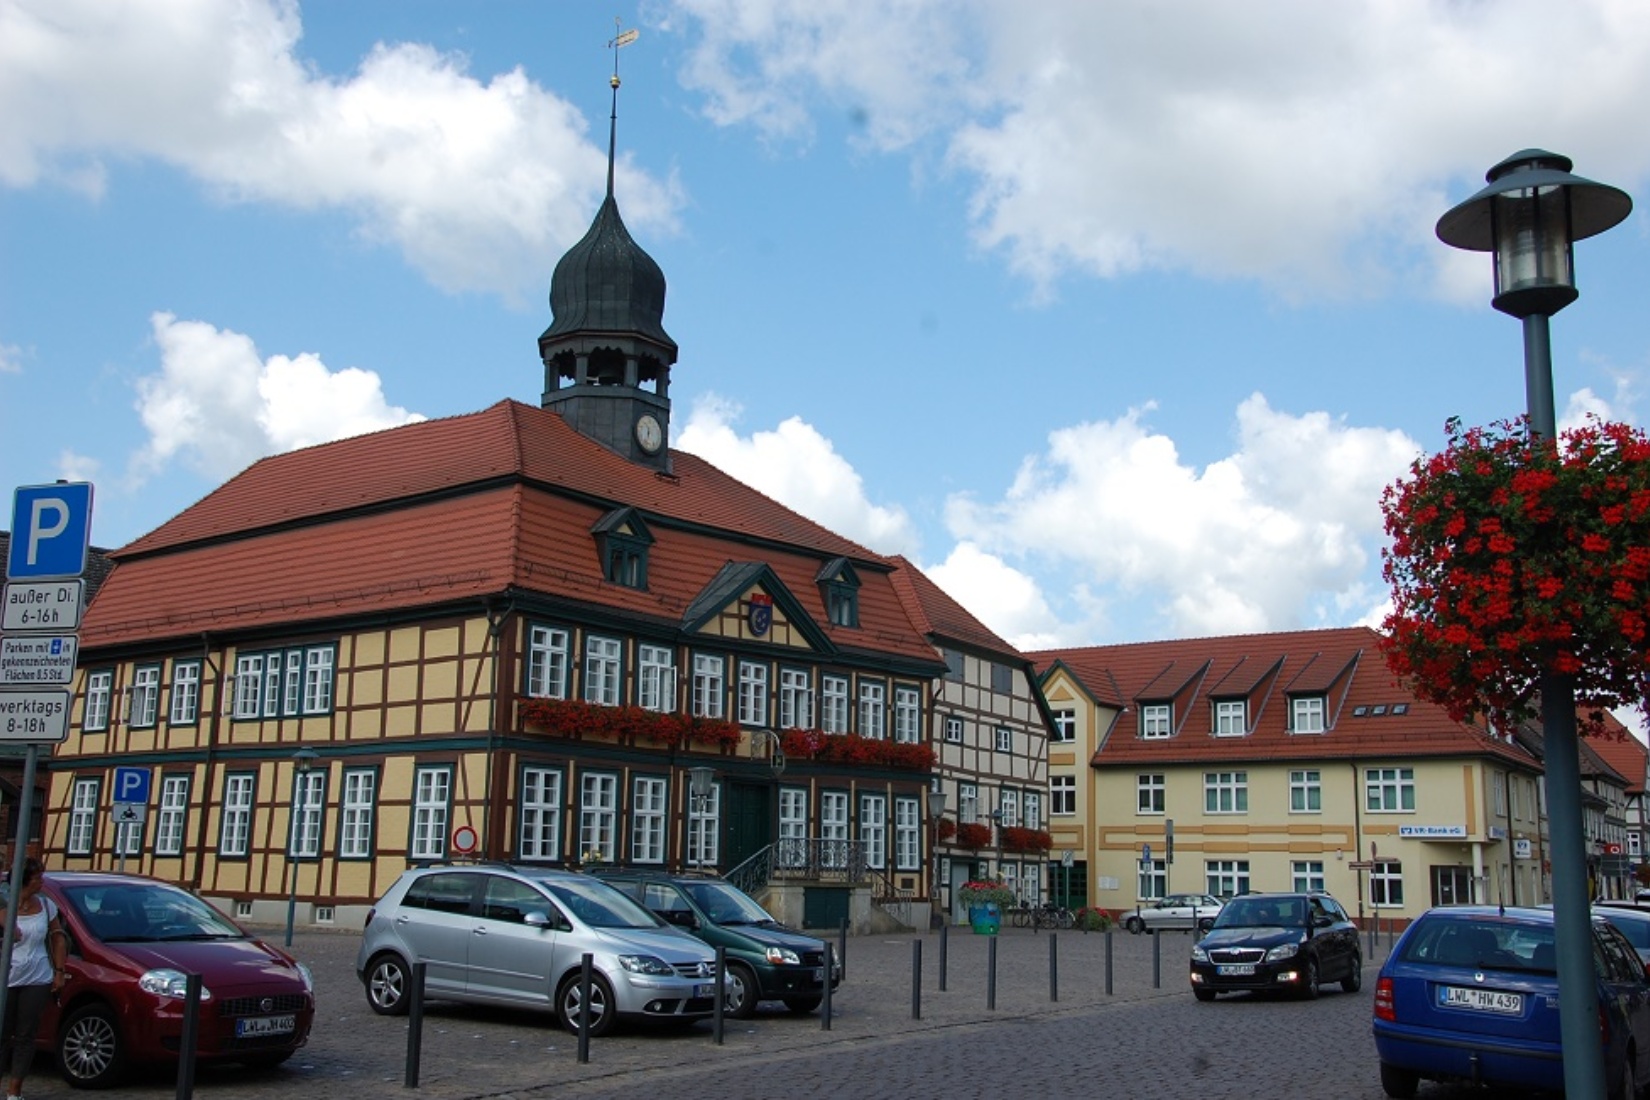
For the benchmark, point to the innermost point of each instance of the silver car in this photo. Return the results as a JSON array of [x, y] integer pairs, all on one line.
[[516, 936], [1188, 911]]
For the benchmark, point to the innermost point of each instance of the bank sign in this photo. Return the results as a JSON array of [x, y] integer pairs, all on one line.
[[1433, 832]]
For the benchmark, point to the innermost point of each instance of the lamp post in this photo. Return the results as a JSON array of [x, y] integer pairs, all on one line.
[[301, 762], [699, 781], [936, 811], [1529, 216]]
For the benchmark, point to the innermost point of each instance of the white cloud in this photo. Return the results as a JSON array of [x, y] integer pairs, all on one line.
[[798, 467], [73, 466], [1290, 141], [11, 359], [217, 406], [1261, 540], [475, 182], [1007, 600]]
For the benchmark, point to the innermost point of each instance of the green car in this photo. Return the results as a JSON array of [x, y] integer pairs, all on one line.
[[765, 960]]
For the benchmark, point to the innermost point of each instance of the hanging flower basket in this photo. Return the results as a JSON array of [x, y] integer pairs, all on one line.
[[985, 892], [1017, 838], [571, 718], [851, 748], [973, 835]]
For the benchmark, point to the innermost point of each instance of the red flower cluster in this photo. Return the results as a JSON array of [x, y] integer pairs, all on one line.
[[1018, 838], [851, 748], [1513, 555], [974, 834], [946, 828], [570, 718]]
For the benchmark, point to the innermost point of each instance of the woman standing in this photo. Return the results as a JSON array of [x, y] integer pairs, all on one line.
[[38, 946]]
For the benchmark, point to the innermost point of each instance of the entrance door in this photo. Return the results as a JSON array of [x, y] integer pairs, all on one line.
[[1452, 886], [962, 871], [749, 822]]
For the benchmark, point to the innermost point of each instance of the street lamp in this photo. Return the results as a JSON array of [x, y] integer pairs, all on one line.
[[1529, 216], [936, 811], [699, 781], [301, 762]]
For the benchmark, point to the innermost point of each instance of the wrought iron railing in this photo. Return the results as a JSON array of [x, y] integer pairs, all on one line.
[[812, 858]]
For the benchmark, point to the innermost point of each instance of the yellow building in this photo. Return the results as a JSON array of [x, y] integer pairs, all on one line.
[[1283, 761]]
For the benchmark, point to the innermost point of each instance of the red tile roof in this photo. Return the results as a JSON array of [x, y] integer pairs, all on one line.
[[1622, 752], [1344, 665], [936, 613]]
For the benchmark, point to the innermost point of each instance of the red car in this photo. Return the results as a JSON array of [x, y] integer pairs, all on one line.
[[133, 942]]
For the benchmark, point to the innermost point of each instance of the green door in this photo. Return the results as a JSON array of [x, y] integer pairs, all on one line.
[[749, 822]]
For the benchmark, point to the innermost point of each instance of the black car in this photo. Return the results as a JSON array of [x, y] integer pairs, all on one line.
[[1278, 941], [766, 960]]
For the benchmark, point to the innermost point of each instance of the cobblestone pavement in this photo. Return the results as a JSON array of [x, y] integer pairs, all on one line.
[[1137, 1041]]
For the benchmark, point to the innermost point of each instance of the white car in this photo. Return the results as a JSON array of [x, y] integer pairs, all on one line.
[[1188, 911]]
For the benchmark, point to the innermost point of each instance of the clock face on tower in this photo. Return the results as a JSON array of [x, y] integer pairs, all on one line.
[[649, 434]]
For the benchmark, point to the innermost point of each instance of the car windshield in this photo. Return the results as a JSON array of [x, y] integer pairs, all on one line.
[[600, 905], [725, 904], [1478, 944], [1263, 913], [140, 912]]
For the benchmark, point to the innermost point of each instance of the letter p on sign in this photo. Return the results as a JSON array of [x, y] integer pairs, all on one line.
[[51, 527]]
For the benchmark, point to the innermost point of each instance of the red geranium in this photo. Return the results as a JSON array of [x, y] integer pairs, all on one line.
[[1513, 555]]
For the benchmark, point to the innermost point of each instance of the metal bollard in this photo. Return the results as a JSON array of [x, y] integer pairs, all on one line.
[[722, 994], [825, 1006], [415, 1025], [1108, 962], [944, 929], [1053, 966], [842, 948], [916, 979], [1157, 961], [991, 975], [191, 1036], [586, 964]]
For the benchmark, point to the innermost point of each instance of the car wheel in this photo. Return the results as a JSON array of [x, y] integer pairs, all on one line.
[[803, 1005], [388, 985], [1354, 979], [1399, 1083], [90, 1054], [1309, 986], [1204, 995], [569, 1001], [743, 992], [1135, 925]]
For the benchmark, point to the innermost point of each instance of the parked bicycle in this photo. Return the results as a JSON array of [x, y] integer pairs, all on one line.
[[1047, 915]]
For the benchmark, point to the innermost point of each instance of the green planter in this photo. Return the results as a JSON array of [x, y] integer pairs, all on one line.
[[986, 918]]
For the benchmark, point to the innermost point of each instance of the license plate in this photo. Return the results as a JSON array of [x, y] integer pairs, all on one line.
[[1480, 1000], [705, 990], [1233, 970], [251, 1027], [819, 973]]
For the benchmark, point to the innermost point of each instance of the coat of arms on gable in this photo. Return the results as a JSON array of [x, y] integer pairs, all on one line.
[[761, 613]]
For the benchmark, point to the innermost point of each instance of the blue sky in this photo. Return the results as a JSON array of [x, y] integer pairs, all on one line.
[[1115, 317]]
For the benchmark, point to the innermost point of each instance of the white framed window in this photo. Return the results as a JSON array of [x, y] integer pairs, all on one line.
[[174, 811], [1231, 717], [129, 838], [547, 662], [236, 827], [873, 829], [356, 813], [1226, 878], [294, 673], [704, 819], [907, 835], [872, 715], [541, 807], [907, 714], [1062, 795], [1635, 845], [186, 693], [598, 817], [1151, 793], [792, 850], [833, 827], [1226, 792], [249, 678], [284, 683], [647, 819], [655, 678], [1033, 810], [1154, 879], [99, 685], [1004, 739], [1008, 804], [1305, 791], [1155, 720], [1498, 793], [1389, 790], [1306, 714], [796, 699], [953, 729], [309, 803], [145, 707], [1010, 873], [968, 803], [833, 693], [1386, 884], [318, 677], [432, 789], [1065, 727], [753, 693], [1307, 875], [601, 671], [82, 817], [709, 685]]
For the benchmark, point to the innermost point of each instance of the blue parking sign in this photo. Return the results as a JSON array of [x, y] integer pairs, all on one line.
[[51, 528], [131, 785]]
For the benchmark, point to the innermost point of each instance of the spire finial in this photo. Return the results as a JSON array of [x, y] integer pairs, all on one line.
[[620, 40]]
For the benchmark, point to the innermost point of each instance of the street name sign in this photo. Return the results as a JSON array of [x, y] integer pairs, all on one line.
[[38, 659]]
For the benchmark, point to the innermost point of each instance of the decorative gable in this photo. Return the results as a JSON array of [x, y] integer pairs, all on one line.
[[747, 602], [839, 589], [622, 542]]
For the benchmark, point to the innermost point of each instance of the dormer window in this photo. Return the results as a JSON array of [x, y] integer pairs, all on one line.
[[1231, 717], [839, 588], [1154, 720], [622, 541], [1307, 714]]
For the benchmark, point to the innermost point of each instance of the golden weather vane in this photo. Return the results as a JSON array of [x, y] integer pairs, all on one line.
[[620, 40]]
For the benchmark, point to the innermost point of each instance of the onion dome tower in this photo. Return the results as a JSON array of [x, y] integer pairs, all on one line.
[[606, 354]]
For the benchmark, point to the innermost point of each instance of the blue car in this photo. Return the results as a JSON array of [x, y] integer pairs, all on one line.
[[1470, 993]]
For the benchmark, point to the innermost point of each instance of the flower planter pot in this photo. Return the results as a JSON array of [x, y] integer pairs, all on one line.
[[985, 918]]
